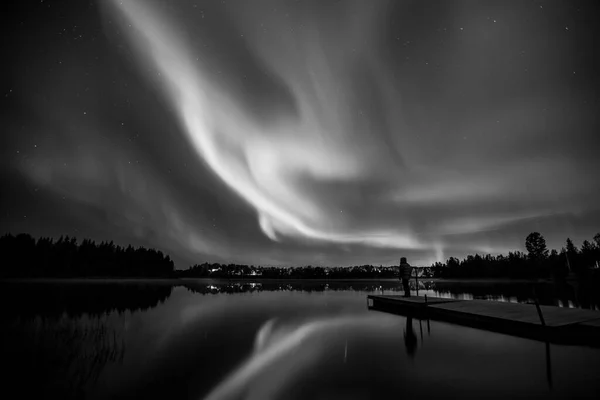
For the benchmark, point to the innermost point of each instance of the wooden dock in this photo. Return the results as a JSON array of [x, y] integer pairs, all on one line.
[[547, 323]]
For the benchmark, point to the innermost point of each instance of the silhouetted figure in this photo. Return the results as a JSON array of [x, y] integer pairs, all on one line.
[[405, 272], [410, 338]]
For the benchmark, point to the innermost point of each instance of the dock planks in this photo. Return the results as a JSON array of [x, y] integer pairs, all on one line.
[[564, 325]]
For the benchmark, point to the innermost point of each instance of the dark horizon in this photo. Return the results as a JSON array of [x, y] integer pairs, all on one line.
[[72, 257], [302, 133]]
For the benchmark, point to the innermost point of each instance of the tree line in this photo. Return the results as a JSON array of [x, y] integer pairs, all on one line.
[[538, 262], [66, 258], [231, 271]]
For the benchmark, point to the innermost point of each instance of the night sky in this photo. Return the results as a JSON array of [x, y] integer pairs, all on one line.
[[301, 132]]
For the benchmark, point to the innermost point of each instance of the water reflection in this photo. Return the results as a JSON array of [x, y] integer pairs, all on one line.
[[290, 352], [60, 337], [575, 294], [412, 343], [58, 358], [269, 340], [52, 300], [410, 338], [75, 299]]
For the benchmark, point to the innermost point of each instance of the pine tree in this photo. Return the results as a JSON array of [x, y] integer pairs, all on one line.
[[536, 246], [571, 248]]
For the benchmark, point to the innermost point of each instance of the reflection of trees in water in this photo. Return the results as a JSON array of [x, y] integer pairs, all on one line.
[[58, 358], [577, 294], [76, 299], [59, 337], [247, 287]]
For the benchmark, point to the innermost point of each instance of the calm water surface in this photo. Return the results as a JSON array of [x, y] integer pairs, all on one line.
[[273, 341]]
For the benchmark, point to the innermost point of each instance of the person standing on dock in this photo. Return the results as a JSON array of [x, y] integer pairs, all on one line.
[[405, 273]]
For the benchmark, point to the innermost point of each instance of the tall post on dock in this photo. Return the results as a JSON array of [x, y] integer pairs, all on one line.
[[417, 280], [548, 357], [539, 310], [537, 307]]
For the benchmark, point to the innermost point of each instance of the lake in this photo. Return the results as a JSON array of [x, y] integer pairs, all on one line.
[[290, 340]]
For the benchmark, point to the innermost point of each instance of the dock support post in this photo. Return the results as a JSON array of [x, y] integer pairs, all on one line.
[[539, 310], [537, 307]]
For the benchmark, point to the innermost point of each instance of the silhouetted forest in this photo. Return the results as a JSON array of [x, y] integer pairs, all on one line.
[[26, 257], [47, 258], [538, 262]]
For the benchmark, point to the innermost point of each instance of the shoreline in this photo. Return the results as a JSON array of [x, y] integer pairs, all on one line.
[[362, 280], [179, 281]]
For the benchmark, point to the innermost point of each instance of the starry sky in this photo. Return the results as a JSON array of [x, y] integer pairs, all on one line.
[[323, 132]]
